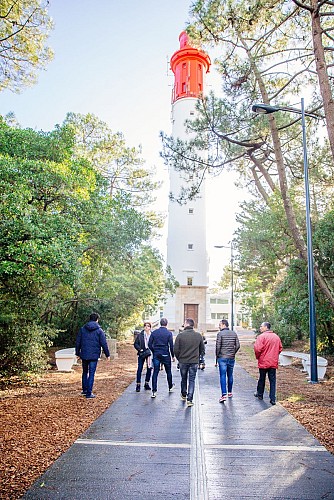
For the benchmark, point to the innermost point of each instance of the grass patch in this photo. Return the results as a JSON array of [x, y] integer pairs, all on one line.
[[247, 351], [295, 398]]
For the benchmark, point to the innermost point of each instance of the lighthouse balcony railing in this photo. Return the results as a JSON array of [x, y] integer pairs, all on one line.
[[176, 96]]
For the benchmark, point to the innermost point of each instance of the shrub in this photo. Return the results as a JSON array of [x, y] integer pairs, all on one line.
[[23, 348]]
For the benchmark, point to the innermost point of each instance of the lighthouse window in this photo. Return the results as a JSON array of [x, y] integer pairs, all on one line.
[[192, 113], [190, 210], [184, 87], [189, 281], [190, 246]]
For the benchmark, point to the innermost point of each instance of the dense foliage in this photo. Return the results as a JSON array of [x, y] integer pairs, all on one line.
[[67, 246]]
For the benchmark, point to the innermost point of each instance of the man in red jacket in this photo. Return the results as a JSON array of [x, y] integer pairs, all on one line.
[[267, 347]]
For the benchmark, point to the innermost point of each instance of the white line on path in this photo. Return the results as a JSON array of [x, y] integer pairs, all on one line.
[[108, 442], [105, 442], [264, 447]]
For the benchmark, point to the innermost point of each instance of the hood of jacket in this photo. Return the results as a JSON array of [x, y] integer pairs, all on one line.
[[92, 325]]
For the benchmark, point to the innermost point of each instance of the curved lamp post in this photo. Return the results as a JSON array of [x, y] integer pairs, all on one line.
[[232, 281], [266, 109]]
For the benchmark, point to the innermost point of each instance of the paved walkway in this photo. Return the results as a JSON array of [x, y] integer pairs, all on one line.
[[144, 448]]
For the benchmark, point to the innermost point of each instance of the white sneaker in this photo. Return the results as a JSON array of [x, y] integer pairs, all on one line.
[[153, 395], [190, 403], [172, 388]]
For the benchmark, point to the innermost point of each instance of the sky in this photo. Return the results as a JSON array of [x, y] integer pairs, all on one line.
[[111, 59]]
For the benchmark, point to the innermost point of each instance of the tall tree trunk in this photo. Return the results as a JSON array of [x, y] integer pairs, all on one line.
[[259, 186], [263, 171], [283, 184], [321, 66]]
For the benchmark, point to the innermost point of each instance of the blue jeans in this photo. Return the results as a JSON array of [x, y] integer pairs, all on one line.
[[262, 382], [88, 374], [185, 369], [166, 361], [226, 366], [140, 369]]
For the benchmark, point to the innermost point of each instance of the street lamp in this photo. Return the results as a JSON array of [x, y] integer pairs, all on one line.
[[232, 282], [267, 109]]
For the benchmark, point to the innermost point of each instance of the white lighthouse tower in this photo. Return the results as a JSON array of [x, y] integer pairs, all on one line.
[[186, 243]]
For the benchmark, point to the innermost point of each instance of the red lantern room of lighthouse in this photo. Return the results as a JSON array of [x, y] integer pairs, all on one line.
[[188, 65]]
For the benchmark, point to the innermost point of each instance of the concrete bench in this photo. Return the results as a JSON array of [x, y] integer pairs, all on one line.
[[286, 358], [65, 359], [112, 344]]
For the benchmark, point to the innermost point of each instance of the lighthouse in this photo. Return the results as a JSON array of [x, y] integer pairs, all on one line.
[[186, 241]]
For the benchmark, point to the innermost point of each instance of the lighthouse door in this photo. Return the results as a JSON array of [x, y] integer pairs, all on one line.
[[191, 311]]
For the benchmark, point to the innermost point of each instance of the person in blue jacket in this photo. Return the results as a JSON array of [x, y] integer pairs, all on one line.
[[90, 339], [162, 347]]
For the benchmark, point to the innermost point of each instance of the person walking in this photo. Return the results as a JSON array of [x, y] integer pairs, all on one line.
[[227, 345], [188, 349], [161, 345], [141, 345], [90, 339], [267, 347]]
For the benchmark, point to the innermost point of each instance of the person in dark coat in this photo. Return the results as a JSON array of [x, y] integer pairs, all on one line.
[[141, 344], [162, 347], [90, 339], [227, 345], [188, 349]]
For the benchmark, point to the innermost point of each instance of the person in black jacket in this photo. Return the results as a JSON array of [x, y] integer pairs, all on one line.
[[227, 345], [90, 339], [188, 348], [162, 347], [141, 344]]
